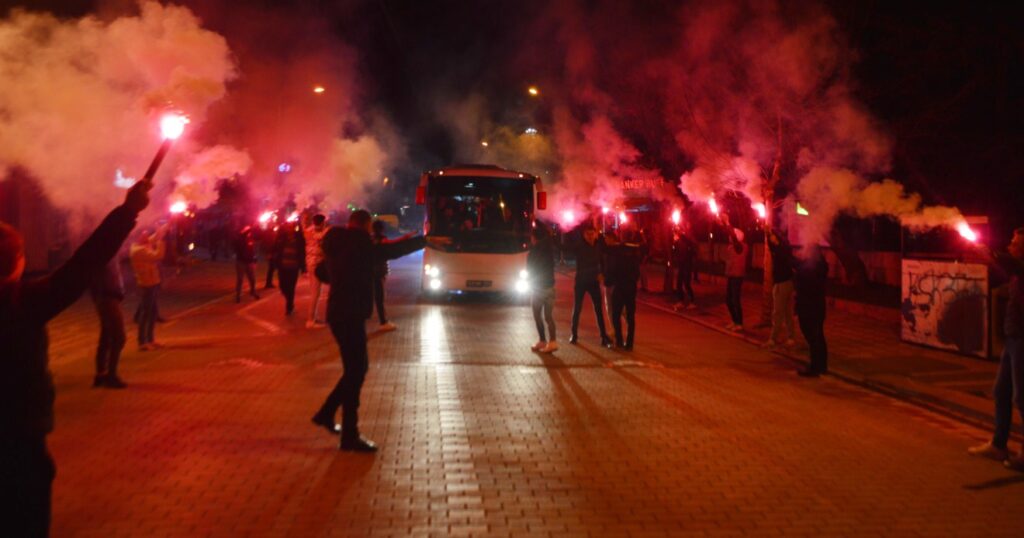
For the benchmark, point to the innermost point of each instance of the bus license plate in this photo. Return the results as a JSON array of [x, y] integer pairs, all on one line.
[[478, 283]]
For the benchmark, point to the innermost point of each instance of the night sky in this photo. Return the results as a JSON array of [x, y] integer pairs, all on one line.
[[944, 79]]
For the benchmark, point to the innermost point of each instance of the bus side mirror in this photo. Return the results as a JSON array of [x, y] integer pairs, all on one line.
[[542, 200], [421, 195]]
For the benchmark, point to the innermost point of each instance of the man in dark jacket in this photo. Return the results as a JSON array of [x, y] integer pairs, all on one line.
[[1009, 388], [245, 262], [810, 281], [289, 257], [350, 255], [684, 253], [540, 264], [26, 387], [107, 292], [589, 274], [625, 254]]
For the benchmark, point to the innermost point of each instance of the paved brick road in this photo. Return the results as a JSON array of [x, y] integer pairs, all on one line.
[[693, 434]]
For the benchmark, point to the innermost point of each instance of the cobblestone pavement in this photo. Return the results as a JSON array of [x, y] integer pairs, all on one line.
[[693, 434]]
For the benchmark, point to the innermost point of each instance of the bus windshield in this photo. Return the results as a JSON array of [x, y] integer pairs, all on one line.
[[481, 214]]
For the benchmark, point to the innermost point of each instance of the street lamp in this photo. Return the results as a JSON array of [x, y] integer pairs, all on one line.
[[533, 91], [318, 89]]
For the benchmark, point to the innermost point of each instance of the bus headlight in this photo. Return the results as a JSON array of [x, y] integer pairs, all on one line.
[[435, 284], [522, 286], [524, 274], [434, 272]]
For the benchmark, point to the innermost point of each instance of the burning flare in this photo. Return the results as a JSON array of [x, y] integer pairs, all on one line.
[[179, 207], [173, 125], [677, 217], [762, 211], [966, 232], [713, 206]]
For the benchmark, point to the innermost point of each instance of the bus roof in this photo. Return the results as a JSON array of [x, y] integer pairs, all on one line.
[[479, 170]]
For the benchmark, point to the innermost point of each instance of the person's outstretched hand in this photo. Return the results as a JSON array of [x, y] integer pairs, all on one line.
[[138, 196]]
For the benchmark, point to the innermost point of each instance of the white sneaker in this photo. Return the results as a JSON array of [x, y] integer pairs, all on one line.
[[387, 327], [538, 346], [550, 348], [989, 451]]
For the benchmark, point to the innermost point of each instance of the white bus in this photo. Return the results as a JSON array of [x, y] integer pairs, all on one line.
[[487, 214]]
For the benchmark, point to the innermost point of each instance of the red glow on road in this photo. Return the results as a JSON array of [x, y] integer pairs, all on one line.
[[173, 125]]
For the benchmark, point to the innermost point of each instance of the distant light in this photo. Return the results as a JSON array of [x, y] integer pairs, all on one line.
[[531, 131], [266, 216], [172, 125], [284, 168], [294, 217], [179, 207], [484, 143], [386, 180], [713, 206], [623, 217], [966, 232], [435, 284], [191, 246], [605, 210], [522, 286], [533, 91], [800, 210], [677, 216], [319, 89], [568, 216], [762, 211]]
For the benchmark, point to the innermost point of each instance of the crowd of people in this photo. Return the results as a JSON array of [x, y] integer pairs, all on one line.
[[351, 262]]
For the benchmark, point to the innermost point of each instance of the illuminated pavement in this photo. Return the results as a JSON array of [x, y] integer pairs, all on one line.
[[694, 433]]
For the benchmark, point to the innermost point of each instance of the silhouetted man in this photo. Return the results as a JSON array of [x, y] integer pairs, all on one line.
[[350, 255], [810, 281], [625, 255], [107, 291], [26, 387], [589, 274]]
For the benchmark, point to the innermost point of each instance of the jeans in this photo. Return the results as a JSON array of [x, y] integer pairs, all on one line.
[[271, 266], [1009, 389], [684, 288], [26, 483], [624, 298], [350, 334], [812, 325], [247, 270], [734, 298], [112, 337], [378, 298], [147, 314], [782, 311], [316, 289], [593, 289], [287, 277], [543, 301]]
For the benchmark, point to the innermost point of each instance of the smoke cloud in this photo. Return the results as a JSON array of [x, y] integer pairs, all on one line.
[[80, 99]]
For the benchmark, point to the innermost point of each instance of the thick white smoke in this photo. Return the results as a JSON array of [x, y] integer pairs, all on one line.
[[81, 98]]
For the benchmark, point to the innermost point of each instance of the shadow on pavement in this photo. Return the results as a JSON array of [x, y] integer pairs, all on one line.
[[996, 483]]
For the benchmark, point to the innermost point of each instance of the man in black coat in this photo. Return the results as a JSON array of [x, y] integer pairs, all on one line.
[[625, 254], [350, 255], [810, 281], [589, 273], [26, 386]]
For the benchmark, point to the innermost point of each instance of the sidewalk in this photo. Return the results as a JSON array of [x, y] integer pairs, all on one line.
[[864, 349]]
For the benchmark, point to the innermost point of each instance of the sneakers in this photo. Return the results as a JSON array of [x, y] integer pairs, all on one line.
[[550, 348], [990, 451], [538, 346], [326, 423], [358, 444], [108, 381], [385, 327]]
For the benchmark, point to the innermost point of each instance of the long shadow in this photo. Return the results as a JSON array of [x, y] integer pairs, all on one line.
[[996, 483], [320, 506]]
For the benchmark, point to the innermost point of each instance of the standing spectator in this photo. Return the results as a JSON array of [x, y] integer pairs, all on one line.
[[684, 252], [540, 264], [314, 233], [349, 254], [26, 386], [289, 255], [107, 292], [782, 289], [380, 273], [145, 257], [589, 275], [735, 271], [245, 262], [1009, 387], [268, 238], [810, 281], [624, 256]]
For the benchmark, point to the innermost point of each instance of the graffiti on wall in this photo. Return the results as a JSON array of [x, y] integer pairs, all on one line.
[[945, 305]]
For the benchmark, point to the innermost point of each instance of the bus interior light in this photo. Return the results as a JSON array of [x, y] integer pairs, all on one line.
[[435, 284]]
